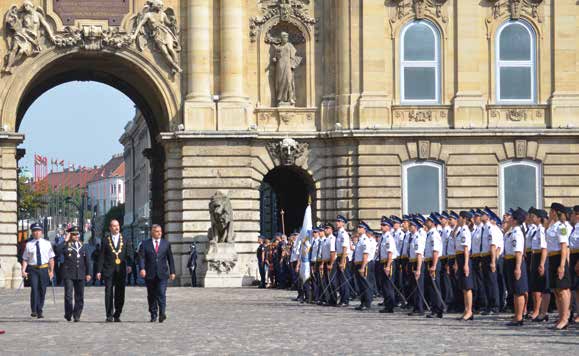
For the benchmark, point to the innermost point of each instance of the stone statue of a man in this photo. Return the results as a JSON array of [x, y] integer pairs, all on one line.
[[285, 61]]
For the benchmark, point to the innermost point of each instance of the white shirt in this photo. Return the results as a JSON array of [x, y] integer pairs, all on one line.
[[296, 250], [399, 239], [574, 238], [329, 241], [463, 239], [315, 246], [115, 239], [406, 242], [387, 244], [557, 234], [476, 239], [515, 242], [529, 236], [444, 238], [343, 240], [371, 245], [418, 244], [46, 252], [433, 243], [321, 243], [450, 244], [538, 240], [492, 236], [360, 249]]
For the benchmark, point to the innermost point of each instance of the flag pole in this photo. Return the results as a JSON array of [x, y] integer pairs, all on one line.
[[282, 221]]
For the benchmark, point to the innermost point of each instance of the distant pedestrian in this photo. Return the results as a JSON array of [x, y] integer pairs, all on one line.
[[192, 264]]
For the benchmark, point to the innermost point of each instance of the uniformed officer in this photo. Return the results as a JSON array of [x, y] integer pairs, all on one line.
[[38, 265], [558, 247], [516, 265], [539, 278], [313, 264], [432, 252], [491, 241], [574, 246], [445, 276], [75, 271], [364, 257], [417, 266], [457, 302], [463, 267], [328, 259], [388, 252], [398, 234], [342, 248], [304, 272], [405, 273], [479, 297], [261, 260]]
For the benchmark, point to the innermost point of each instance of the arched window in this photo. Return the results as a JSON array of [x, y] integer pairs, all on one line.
[[520, 185], [420, 63], [422, 187], [515, 63]]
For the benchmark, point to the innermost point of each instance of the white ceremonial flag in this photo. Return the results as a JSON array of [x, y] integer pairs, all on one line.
[[305, 244], [306, 225]]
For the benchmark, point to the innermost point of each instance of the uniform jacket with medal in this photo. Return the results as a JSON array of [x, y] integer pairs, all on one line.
[[106, 264], [76, 261]]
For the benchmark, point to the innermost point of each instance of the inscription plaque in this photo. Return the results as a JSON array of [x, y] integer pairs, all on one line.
[[111, 10]]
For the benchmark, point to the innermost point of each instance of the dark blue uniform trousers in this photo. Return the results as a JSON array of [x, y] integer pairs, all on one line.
[[39, 281]]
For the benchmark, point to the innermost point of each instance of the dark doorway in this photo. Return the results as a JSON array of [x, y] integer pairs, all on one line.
[[286, 189]]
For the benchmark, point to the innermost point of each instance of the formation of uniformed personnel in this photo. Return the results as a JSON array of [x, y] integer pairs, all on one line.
[[75, 271], [467, 262], [38, 266]]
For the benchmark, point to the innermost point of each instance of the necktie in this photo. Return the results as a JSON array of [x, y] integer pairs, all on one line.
[[380, 248], [482, 234], [156, 246], [38, 256]]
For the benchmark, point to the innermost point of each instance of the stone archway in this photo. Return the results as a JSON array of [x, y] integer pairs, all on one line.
[[143, 82]]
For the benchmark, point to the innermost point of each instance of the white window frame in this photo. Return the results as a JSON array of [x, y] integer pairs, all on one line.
[[441, 182], [428, 64], [538, 177], [532, 63]]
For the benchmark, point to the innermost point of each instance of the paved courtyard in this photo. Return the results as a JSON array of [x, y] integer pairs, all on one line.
[[252, 321]]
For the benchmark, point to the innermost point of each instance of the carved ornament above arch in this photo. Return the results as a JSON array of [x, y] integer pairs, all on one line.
[[274, 12], [403, 10], [501, 10]]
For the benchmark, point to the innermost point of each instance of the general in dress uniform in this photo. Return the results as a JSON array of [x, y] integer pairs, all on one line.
[[38, 266], [75, 271]]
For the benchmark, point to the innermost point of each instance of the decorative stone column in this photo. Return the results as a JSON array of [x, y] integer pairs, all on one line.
[[343, 98], [468, 101], [199, 107], [8, 209], [233, 109], [565, 99]]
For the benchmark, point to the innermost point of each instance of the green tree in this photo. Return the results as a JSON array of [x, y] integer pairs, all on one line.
[[117, 213], [29, 200]]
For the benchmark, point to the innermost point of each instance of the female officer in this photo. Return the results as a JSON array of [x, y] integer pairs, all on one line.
[[574, 246], [516, 266], [539, 278], [464, 264], [558, 248]]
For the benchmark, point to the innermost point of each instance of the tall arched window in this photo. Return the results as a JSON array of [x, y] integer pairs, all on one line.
[[520, 184], [422, 187], [420, 63], [515, 63]]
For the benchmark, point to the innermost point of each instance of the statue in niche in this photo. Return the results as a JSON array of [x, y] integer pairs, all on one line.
[[23, 27], [160, 26], [285, 62]]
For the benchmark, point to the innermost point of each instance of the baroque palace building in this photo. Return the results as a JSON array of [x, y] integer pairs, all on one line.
[[367, 107]]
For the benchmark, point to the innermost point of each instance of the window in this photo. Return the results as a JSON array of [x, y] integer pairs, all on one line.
[[520, 183], [422, 187], [515, 69], [420, 63]]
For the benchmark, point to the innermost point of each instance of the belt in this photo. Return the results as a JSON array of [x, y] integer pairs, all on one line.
[[529, 250], [459, 252], [324, 261], [485, 254], [537, 251], [358, 263], [340, 254], [555, 253], [442, 258], [474, 255], [427, 259], [509, 257], [403, 257], [412, 260], [40, 266], [574, 251]]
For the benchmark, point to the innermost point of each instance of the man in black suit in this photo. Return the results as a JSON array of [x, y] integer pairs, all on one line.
[[156, 265], [114, 263], [75, 270]]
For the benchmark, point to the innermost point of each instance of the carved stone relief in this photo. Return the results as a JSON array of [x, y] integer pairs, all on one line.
[[424, 149], [286, 151], [515, 9], [289, 11], [521, 148], [420, 9]]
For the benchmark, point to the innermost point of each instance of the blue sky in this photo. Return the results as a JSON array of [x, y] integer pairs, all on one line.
[[79, 122]]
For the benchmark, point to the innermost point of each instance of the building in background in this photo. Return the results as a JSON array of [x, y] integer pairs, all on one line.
[[136, 142]]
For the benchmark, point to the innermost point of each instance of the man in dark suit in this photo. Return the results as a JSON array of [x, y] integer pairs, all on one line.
[[192, 265], [74, 271], [156, 265], [114, 263]]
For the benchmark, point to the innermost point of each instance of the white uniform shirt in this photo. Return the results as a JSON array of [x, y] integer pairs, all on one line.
[[515, 242], [557, 234], [406, 244], [450, 243], [433, 243], [399, 239], [388, 244], [315, 246], [46, 252], [531, 228], [476, 239], [360, 249], [327, 247], [343, 240], [538, 240], [418, 245], [574, 238], [296, 250], [463, 239], [494, 236], [371, 246], [321, 244], [445, 238]]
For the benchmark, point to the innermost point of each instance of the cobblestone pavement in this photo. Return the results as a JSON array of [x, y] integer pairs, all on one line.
[[252, 321]]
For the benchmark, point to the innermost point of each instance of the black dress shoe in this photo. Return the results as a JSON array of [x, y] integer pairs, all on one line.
[[162, 318], [434, 315], [117, 319], [386, 311], [381, 304], [76, 320], [109, 319], [153, 318], [515, 323], [486, 312], [40, 316], [468, 319], [416, 314], [34, 315], [540, 319], [68, 318]]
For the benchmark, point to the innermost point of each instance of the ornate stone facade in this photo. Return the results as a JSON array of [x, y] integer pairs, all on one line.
[[201, 72]]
